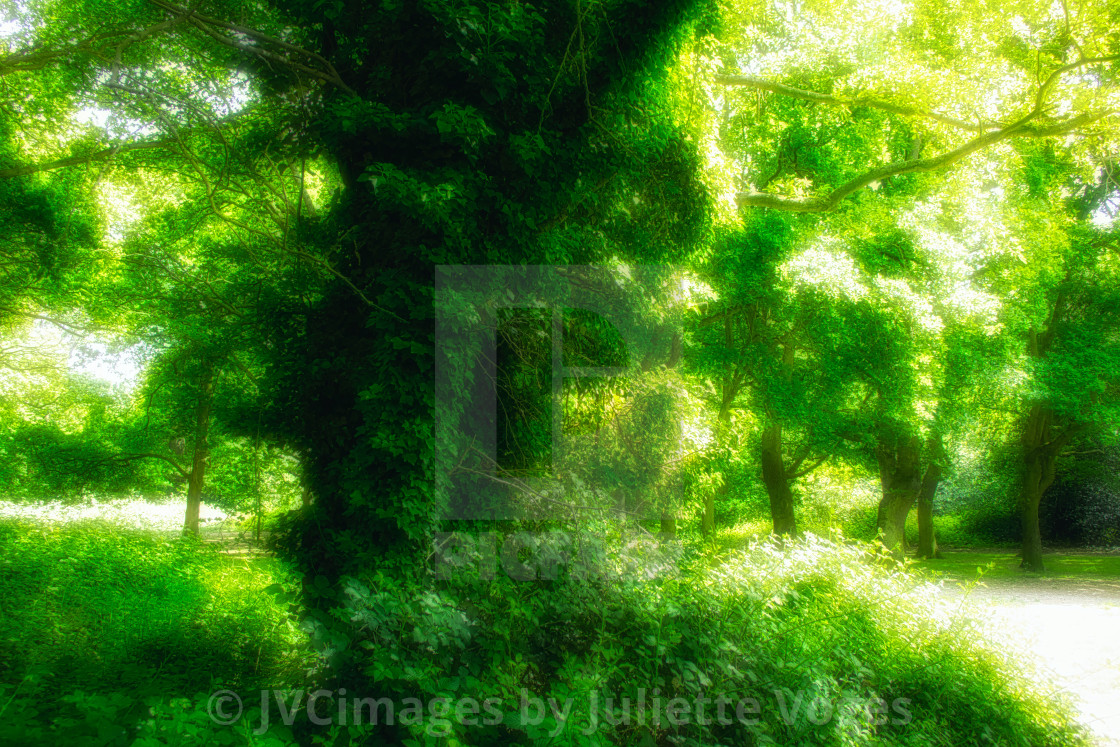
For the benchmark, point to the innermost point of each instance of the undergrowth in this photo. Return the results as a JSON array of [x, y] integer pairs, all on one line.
[[104, 629], [818, 643], [119, 638]]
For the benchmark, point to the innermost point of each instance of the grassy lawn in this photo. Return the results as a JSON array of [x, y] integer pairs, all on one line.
[[966, 565]]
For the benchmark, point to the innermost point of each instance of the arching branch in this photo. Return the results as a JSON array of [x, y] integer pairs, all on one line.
[[101, 155], [151, 455], [38, 57], [824, 98], [297, 58], [1022, 128], [794, 474]]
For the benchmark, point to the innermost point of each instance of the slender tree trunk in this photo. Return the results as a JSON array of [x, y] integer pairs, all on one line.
[[901, 480], [1040, 456], [927, 539], [776, 480], [1041, 447], [669, 515], [201, 455], [708, 518], [723, 422], [668, 525]]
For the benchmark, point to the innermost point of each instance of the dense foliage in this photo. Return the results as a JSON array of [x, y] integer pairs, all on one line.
[[859, 262]]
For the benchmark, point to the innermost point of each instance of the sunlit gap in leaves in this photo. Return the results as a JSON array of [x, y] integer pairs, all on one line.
[[827, 267], [121, 514], [222, 99], [42, 358], [118, 367], [806, 34], [45, 348], [957, 256], [1105, 216], [8, 29], [15, 22]]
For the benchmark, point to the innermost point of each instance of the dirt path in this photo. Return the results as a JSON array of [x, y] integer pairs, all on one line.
[[1073, 626]]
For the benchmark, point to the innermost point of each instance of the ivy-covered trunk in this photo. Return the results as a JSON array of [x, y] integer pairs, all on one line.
[[901, 477], [201, 455], [1040, 457], [776, 479], [927, 540]]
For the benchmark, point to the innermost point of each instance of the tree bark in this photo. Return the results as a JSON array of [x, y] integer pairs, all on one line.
[[1040, 446], [927, 539], [776, 479], [668, 525], [668, 513], [201, 456], [708, 517], [900, 475], [1040, 458]]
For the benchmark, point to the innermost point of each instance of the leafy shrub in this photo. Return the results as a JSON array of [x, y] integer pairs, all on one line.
[[1082, 512], [981, 494], [835, 644], [841, 502], [979, 528]]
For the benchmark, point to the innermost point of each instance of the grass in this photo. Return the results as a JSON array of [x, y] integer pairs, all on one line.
[[738, 536], [965, 565]]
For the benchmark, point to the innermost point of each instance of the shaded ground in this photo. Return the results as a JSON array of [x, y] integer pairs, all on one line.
[[234, 542], [1073, 626]]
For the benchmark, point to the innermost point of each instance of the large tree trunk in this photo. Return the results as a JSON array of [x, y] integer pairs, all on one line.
[[927, 540], [1040, 457], [777, 481], [900, 474], [201, 448], [1029, 500]]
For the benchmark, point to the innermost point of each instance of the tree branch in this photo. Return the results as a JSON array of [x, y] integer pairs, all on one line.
[[67, 326], [810, 468], [244, 369], [101, 155], [1056, 75], [151, 455], [38, 58], [824, 98], [831, 200], [203, 23]]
